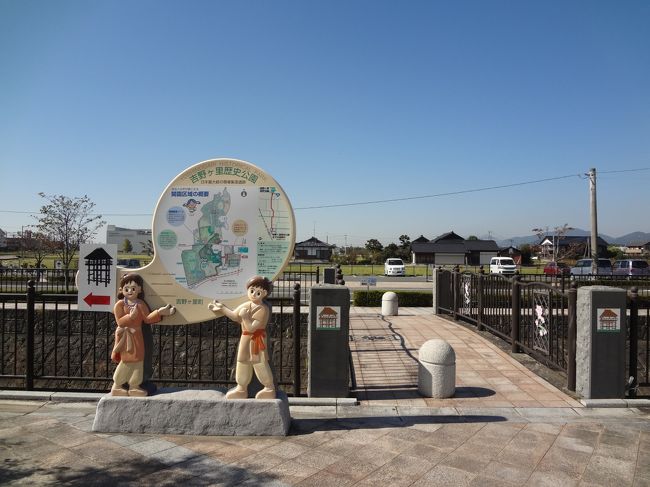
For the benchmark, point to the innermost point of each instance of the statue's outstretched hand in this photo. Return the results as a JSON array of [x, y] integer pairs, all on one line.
[[215, 307], [167, 310]]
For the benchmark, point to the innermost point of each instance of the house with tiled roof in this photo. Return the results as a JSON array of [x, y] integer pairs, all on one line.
[[452, 249]]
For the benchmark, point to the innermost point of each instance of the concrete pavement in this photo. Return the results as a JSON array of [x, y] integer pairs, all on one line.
[[488, 434]]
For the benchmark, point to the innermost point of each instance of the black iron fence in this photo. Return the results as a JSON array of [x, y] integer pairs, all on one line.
[[47, 344], [639, 341], [54, 281], [535, 317], [45, 280], [537, 314]]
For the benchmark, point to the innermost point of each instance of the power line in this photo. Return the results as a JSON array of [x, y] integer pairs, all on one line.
[[451, 193], [625, 170], [392, 200]]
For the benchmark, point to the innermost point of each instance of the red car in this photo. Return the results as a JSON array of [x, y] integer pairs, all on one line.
[[556, 269]]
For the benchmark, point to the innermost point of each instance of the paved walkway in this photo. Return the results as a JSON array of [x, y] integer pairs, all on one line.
[[486, 437], [385, 352]]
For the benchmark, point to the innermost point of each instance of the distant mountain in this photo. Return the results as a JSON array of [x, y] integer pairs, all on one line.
[[633, 237], [630, 238]]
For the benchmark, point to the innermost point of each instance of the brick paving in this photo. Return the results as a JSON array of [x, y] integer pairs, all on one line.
[[393, 438], [385, 351]]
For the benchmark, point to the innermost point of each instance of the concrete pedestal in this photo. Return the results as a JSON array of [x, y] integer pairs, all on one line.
[[437, 369], [389, 304], [193, 412]]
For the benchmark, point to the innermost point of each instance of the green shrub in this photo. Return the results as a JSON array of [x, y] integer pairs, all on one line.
[[404, 298]]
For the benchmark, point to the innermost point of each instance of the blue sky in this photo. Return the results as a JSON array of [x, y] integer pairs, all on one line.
[[341, 102]]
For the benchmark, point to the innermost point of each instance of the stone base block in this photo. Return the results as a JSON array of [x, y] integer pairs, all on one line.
[[436, 381], [193, 412]]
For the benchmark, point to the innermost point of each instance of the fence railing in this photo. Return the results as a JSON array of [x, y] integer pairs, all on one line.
[[639, 340], [411, 270], [535, 317], [56, 281], [46, 280], [47, 344], [538, 315]]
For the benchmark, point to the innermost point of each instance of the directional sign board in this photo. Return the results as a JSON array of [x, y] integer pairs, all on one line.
[[216, 225], [369, 281], [97, 277]]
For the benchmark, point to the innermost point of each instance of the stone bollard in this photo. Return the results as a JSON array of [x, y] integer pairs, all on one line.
[[437, 369], [389, 304]]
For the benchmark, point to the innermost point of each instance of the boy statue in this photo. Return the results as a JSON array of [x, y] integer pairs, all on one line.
[[252, 355]]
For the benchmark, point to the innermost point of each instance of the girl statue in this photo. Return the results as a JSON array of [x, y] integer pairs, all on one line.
[[130, 313]]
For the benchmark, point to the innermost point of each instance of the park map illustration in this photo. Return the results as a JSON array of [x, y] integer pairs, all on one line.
[[213, 239]]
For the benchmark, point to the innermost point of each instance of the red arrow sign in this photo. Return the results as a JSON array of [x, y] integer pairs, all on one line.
[[91, 299]]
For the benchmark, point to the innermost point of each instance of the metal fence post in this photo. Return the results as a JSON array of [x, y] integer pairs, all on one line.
[[296, 340], [572, 331], [455, 283], [29, 364], [634, 340], [479, 304], [317, 274], [516, 314]]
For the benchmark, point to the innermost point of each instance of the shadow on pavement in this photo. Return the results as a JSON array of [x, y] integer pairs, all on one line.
[[307, 426], [378, 393], [141, 471]]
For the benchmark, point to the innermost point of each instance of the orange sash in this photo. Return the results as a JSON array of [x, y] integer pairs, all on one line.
[[257, 340]]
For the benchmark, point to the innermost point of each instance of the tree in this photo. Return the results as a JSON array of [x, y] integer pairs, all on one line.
[[472, 237], [374, 247], [391, 250], [147, 247], [404, 247], [526, 254], [68, 223], [36, 245], [127, 247], [615, 252]]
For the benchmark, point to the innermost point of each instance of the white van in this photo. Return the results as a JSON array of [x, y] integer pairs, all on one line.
[[502, 265], [394, 267]]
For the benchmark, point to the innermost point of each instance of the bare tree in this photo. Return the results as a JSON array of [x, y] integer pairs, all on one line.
[[36, 245], [68, 223], [147, 248]]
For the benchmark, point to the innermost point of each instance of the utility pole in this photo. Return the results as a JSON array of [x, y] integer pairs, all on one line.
[[594, 221]]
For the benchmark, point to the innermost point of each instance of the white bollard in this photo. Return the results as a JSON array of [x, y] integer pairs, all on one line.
[[437, 369], [389, 305]]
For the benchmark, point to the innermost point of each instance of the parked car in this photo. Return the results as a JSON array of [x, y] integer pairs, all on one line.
[[394, 267], [556, 269], [631, 267], [129, 263], [583, 268], [502, 265]]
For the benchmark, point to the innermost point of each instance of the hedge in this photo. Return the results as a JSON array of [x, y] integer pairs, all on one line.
[[404, 298]]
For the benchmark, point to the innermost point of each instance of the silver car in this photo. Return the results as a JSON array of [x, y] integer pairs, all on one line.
[[631, 267], [583, 268]]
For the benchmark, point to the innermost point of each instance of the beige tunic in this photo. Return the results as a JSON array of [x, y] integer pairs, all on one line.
[[252, 345]]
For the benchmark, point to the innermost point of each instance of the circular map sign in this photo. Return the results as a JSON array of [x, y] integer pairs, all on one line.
[[216, 225]]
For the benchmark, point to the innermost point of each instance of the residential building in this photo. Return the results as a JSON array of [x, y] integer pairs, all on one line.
[[313, 250], [574, 245], [451, 249], [637, 248]]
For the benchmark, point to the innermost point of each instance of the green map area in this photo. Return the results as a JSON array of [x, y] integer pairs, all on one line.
[[208, 258]]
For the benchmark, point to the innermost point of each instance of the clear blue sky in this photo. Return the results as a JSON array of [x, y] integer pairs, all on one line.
[[341, 102]]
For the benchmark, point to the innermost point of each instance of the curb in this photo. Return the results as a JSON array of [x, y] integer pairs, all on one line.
[[96, 396], [615, 403]]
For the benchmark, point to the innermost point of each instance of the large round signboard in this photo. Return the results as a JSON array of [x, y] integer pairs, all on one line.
[[216, 225]]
